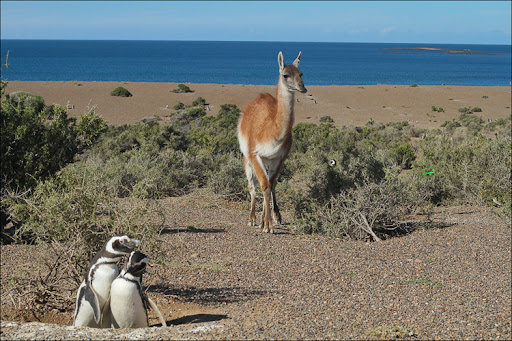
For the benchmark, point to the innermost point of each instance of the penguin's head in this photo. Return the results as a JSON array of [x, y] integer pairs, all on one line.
[[122, 244], [136, 264]]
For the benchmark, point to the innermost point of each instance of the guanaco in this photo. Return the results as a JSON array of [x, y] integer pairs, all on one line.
[[265, 138]]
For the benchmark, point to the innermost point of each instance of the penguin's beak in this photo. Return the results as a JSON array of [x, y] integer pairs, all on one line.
[[132, 243]]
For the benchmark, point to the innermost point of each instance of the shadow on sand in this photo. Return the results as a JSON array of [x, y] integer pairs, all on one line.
[[206, 295], [195, 318], [190, 229]]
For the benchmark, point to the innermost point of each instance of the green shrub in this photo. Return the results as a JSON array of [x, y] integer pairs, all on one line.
[[463, 166], [403, 155], [493, 125], [468, 119], [185, 117], [199, 101], [121, 92], [476, 109], [28, 100], [91, 127], [434, 108], [34, 144], [178, 106], [217, 135], [465, 110], [326, 119], [494, 186], [398, 125], [229, 179], [324, 137], [152, 160], [182, 88], [450, 126]]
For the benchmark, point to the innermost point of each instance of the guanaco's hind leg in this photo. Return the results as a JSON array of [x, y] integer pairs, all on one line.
[[251, 179], [276, 215], [274, 168]]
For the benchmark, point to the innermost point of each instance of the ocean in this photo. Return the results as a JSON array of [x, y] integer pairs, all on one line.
[[255, 62]]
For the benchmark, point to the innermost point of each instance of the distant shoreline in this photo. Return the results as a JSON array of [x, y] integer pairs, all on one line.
[[346, 104], [447, 51]]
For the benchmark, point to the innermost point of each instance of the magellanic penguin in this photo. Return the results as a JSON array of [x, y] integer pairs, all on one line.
[[95, 288], [128, 303]]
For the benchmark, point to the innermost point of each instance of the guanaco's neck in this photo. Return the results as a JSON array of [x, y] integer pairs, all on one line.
[[285, 116]]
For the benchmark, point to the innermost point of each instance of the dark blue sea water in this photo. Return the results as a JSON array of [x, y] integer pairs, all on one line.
[[253, 62]]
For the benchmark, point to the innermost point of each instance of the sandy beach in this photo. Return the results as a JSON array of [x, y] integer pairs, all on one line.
[[347, 105]]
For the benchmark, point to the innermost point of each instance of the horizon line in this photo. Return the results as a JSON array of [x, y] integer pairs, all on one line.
[[248, 41]]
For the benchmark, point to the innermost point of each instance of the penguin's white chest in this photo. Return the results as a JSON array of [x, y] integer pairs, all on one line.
[[126, 305], [101, 281], [103, 277]]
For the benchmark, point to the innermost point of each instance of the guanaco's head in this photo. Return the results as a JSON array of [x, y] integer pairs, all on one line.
[[290, 75]]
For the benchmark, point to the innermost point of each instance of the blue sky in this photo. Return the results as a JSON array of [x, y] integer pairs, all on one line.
[[464, 22]]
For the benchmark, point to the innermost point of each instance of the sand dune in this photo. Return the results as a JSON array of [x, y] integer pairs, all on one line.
[[347, 105]]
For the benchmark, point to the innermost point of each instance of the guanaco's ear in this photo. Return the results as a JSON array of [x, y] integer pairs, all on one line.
[[297, 60], [280, 61]]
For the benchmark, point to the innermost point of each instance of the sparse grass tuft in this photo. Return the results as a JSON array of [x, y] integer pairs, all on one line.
[[390, 333]]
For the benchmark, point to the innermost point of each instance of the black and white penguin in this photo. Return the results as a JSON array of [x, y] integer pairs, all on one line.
[[94, 291], [128, 303]]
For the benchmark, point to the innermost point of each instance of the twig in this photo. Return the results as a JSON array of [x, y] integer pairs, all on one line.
[[370, 231], [12, 300]]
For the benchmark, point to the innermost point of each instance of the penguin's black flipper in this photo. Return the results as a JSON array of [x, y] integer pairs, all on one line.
[[92, 298]]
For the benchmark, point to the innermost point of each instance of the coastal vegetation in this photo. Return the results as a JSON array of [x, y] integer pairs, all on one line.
[[42, 147], [182, 88], [120, 92], [69, 183], [469, 110], [178, 106], [199, 101]]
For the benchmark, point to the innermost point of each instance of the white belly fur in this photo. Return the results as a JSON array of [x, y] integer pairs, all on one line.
[[269, 155], [103, 277], [126, 305]]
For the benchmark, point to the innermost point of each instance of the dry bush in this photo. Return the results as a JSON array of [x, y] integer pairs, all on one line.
[[71, 222], [52, 286], [371, 210], [229, 179]]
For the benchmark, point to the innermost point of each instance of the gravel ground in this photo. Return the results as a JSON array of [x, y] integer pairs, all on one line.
[[224, 280]]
